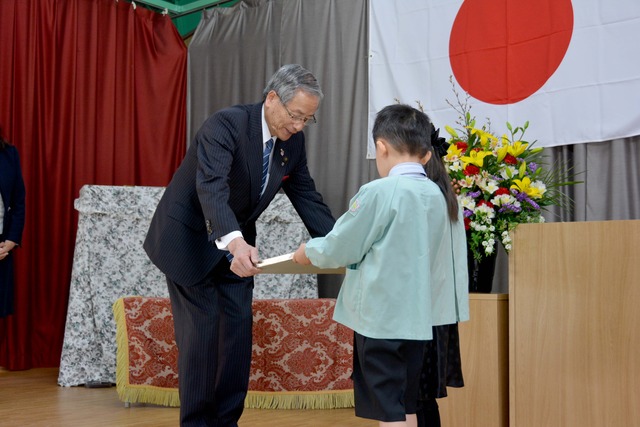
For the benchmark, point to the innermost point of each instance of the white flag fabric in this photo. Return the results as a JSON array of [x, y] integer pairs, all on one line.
[[571, 69]]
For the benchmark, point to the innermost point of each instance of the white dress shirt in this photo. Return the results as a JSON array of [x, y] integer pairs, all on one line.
[[224, 241]]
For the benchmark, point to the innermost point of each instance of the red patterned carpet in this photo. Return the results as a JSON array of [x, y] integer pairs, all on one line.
[[301, 357]]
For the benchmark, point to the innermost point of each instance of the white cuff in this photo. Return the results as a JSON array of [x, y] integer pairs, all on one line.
[[224, 241]]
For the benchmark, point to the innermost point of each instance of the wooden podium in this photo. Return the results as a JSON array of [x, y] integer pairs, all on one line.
[[574, 338], [484, 349]]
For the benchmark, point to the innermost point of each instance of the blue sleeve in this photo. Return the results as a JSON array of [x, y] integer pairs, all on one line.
[[354, 233]]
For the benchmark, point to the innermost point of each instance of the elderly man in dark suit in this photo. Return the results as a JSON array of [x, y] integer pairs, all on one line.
[[203, 232]]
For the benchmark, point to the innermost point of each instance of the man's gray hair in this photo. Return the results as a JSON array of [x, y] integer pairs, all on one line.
[[290, 78]]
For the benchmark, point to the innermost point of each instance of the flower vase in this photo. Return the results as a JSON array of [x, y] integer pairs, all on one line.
[[481, 272]]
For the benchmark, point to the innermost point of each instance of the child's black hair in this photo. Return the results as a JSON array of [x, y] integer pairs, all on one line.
[[410, 131]]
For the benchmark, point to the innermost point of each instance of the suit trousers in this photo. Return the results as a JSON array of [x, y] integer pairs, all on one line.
[[213, 322]]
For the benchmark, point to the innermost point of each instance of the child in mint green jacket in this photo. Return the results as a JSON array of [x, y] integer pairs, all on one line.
[[403, 243]]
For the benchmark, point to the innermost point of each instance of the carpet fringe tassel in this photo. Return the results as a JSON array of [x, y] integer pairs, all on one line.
[[299, 400]]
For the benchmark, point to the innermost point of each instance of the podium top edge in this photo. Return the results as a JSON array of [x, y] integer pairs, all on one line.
[[479, 296]]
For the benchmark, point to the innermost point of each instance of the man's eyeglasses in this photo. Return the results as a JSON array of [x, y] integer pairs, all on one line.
[[298, 119]]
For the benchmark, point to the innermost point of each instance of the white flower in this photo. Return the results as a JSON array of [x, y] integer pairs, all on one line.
[[488, 248], [467, 202], [455, 166], [467, 182], [486, 210], [487, 243], [539, 185], [512, 170], [478, 226], [503, 199], [488, 186]]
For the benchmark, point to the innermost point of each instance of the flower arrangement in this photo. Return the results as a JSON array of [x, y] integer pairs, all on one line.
[[502, 181]]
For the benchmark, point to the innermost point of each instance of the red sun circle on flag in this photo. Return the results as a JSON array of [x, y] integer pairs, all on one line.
[[503, 51]]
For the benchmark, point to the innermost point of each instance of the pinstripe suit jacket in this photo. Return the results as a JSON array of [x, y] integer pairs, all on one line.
[[216, 190], [13, 194]]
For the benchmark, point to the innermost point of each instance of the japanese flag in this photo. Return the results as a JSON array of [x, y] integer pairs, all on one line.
[[571, 69]]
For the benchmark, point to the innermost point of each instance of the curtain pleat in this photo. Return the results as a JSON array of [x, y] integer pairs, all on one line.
[[92, 92]]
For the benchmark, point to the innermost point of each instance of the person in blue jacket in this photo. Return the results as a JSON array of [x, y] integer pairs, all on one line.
[[403, 243], [12, 210]]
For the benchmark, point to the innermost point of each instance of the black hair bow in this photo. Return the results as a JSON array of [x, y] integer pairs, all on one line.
[[439, 143]]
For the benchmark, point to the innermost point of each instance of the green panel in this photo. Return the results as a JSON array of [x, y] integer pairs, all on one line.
[[187, 23], [185, 14]]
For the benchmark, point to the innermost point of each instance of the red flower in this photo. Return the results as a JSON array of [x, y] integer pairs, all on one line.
[[510, 160], [467, 223], [500, 191], [461, 146], [485, 202], [471, 170]]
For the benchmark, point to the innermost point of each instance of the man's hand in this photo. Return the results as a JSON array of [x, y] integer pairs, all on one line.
[[245, 258], [6, 247], [299, 257]]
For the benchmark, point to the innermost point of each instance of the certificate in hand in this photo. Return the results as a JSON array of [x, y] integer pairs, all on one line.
[[284, 264]]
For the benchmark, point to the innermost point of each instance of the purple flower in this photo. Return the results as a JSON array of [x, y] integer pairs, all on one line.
[[533, 166], [508, 207], [518, 195], [474, 194], [522, 197], [533, 204]]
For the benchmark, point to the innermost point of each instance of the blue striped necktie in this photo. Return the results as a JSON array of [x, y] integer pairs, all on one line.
[[265, 163], [265, 169]]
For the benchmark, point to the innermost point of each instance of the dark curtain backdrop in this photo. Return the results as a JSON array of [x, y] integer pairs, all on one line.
[[91, 92]]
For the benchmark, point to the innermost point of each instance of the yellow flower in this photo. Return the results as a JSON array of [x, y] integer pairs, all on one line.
[[451, 131], [517, 148], [502, 152], [453, 151], [485, 137], [524, 186], [476, 158]]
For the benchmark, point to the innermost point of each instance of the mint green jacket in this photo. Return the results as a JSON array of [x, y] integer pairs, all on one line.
[[406, 262]]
